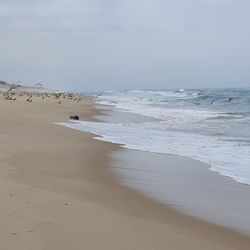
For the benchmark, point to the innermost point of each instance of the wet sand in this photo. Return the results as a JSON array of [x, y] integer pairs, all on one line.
[[186, 184], [56, 192]]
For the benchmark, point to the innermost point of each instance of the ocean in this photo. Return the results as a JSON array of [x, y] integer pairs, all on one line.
[[189, 148], [210, 125]]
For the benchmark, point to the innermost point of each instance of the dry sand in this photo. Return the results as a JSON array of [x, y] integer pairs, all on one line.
[[56, 192]]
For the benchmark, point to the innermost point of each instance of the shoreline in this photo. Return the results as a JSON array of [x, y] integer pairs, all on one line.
[[181, 181], [55, 186], [178, 181]]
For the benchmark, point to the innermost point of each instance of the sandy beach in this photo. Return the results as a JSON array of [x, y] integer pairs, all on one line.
[[56, 192]]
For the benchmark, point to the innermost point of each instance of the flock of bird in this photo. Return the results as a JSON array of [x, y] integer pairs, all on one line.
[[15, 92]]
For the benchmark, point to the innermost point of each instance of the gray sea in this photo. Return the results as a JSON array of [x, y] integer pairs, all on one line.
[[210, 125]]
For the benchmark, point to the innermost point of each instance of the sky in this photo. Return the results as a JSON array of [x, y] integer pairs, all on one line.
[[125, 44]]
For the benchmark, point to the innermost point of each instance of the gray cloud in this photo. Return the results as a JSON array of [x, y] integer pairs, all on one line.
[[82, 44]]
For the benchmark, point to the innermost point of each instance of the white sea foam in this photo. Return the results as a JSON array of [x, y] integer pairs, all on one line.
[[147, 103], [224, 155]]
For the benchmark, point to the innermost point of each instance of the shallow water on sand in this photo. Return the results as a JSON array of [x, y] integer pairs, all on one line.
[[187, 185]]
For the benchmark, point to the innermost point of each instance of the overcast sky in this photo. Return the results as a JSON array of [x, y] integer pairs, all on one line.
[[103, 44]]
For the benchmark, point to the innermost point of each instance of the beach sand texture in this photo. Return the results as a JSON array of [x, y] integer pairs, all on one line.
[[57, 193]]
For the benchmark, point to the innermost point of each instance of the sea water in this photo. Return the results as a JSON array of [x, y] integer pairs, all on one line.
[[207, 125], [210, 125]]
